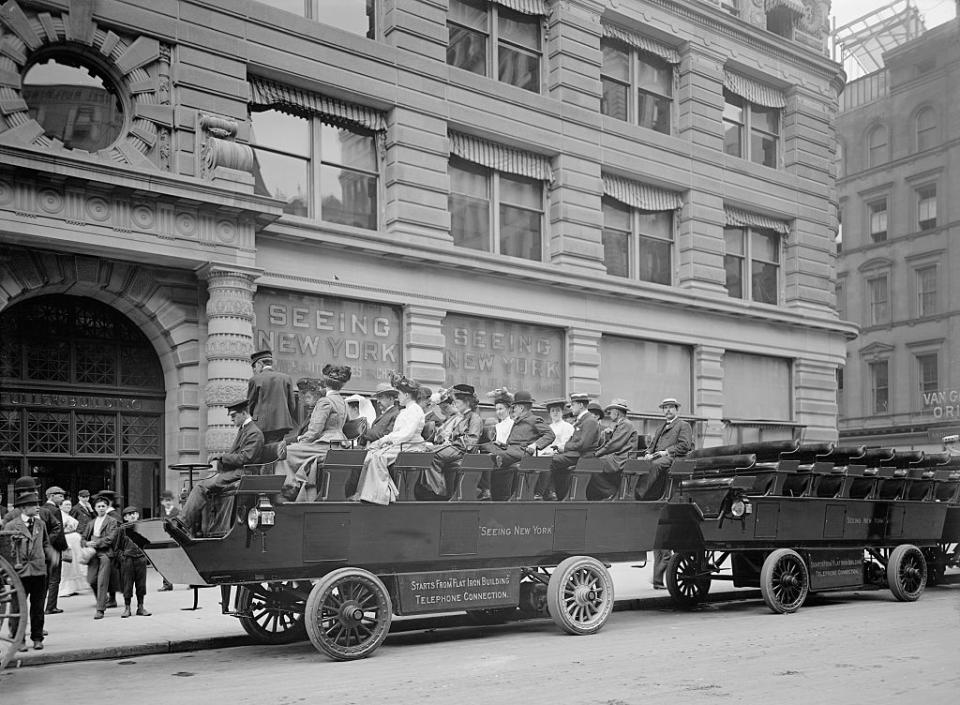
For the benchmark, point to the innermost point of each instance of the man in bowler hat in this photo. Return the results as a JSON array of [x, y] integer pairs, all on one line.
[[246, 450], [528, 435], [30, 548], [271, 402]]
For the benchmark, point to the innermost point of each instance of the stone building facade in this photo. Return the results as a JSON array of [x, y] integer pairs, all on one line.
[[896, 273], [622, 197]]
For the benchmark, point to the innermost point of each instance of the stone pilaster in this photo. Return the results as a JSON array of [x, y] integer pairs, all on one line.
[[815, 390], [228, 347], [419, 27], [424, 343], [583, 363], [708, 392]]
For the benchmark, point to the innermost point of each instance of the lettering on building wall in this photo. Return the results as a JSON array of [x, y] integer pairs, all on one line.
[[306, 332], [490, 353], [77, 401], [944, 404]]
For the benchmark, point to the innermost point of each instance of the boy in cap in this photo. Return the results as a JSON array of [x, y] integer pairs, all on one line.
[[270, 398], [83, 511], [101, 535], [30, 546], [133, 567]]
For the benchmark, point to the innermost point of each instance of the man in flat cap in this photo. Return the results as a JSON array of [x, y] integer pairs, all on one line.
[[83, 511], [386, 397], [50, 514], [528, 435], [618, 440], [246, 449], [582, 444], [674, 439], [270, 398]]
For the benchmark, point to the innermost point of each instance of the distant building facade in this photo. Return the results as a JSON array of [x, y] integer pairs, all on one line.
[[897, 272], [630, 198]]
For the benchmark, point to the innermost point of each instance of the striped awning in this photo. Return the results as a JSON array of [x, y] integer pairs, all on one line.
[[752, 90], [499, 157], [267, 94], [747, 219], [526, 7], [794, 6], [642, 196], [641, 42]]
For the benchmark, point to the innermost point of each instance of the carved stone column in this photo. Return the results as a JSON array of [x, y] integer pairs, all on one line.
[[708, 393], [228, 347]]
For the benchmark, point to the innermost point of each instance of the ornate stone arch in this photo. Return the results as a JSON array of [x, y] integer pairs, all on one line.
[[167, 314], [140, 67]]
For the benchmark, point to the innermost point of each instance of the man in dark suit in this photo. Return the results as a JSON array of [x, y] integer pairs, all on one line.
[[101, 535], [246, 450], [582, 444], [270, 398], [617, 442], [50, 514], [386, 398], [30, 547], [83, 511], [528, 435], [674, 439]]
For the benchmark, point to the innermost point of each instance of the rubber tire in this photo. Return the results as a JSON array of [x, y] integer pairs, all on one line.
[[699, 587], [772, 569], [13, 604], [320, 596], [294, 628], [577, 573], [909, 557]]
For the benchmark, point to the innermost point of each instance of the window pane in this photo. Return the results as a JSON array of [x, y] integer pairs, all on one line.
[[732, 108], [658, 224], [470, 181], [654, 75], [763, 149], [519, 29], [283, 177], [286, 133], [764, 282], [927, 291], [614, 101], [616, 62], [348, 197], [470, 222], [472, 13], [522, 192], [355, 16], [766, 246], [520, 232], [733, 266], [653, 112], [757, 386], [615, 216], [878, 221], [519, 69], [929, 373], [297, 7], [927, 207], [467, 49], [616, 252], [733, 239], [765, 119], [880, 382], [348, 148], [733, 138], [655, 260], [877, 288]]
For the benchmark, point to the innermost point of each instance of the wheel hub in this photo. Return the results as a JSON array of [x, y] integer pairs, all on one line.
[[350, 613], [584, 595]]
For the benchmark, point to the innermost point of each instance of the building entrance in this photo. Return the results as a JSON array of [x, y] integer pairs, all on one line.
[[81, 400]]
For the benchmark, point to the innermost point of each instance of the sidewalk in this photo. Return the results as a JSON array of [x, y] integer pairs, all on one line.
[[75, 636]]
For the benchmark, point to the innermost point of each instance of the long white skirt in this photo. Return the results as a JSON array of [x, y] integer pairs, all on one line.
[[375, 485], [73, 578]]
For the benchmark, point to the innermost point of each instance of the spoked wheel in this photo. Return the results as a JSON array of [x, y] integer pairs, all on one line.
[[580, 595], [784, 581], [906, 572], [688, 578], [275, 611], [348, 614], [13, 612]]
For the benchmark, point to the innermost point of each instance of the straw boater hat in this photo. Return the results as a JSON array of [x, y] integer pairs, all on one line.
[[550, 403], [581, 397], [669, 401], [384, 389], [617, 403]]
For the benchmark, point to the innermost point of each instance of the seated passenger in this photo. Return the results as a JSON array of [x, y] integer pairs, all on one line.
[[582, 444], [617, 441], [375, 484], [310, 393], [360, 409], [325, 429], [386, 398], [458, 435], [563, 430], [528, 434], [246, 449]]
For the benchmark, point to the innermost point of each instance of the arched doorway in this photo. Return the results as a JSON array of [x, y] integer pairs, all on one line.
[[81, 399]]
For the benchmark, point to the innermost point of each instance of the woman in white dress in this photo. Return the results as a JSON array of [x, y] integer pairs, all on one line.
[[375, 485], [72, 582]]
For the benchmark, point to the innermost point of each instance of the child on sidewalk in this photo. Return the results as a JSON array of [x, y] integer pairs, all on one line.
[[133, 567]]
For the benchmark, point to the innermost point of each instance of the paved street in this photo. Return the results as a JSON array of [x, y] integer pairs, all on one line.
[[848, 648]]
